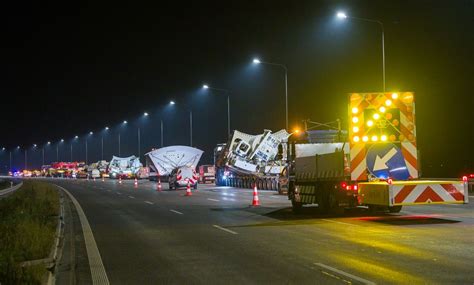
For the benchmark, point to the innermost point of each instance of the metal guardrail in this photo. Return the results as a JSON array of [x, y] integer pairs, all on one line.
[[11, 189]]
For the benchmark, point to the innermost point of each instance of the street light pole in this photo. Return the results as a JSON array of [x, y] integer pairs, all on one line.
[[342, 15], [257, 61], [138, 142], [102, 148], [191, 128], [26, 158], [161, 121], [205, 86]]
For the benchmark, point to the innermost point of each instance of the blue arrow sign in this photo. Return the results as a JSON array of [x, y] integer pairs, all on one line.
[[386, 160]]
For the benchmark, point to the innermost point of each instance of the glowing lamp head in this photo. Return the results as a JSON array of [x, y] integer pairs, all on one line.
[[383, 138], [125, 122], [76, 137], [34, 145], [388, 102], [341, 15], [356, 139], [49, 142], [106, 128], [382, 109], [394, 96], [365, 138], [376, 116], [62, 140], [355, 110], [370, 123], [172, 103], [145, 114], [91, 133], [374, 138], [355, 120], [355, 129], [256, 61], [297, 131], [205, 86]]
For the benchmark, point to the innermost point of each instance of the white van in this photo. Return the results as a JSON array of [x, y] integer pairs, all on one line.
[[180, 177]]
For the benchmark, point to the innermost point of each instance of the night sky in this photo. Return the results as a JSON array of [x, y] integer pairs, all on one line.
[[71, 67]]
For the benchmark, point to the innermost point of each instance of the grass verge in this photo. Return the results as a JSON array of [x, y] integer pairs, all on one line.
[[28, 220], [4, 184]]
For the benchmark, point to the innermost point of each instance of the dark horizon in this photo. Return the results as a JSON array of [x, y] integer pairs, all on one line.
[[68, 70]]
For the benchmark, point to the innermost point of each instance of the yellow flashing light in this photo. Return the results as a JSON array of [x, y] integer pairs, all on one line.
[[388, 102], [355, 120], [376, 116], [356, 139], [382, 109], [365, 138], [383, 138], [370, 123], [375, 138], [355, 110], [394, 96], [355, 129]]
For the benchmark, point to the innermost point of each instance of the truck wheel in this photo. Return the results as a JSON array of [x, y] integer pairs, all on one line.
[[395, 209], [296, 206]]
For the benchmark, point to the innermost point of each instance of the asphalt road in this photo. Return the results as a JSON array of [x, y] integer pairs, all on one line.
[[214, 237]]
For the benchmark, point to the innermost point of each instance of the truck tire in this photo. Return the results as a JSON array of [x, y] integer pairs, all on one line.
[[395, 209]]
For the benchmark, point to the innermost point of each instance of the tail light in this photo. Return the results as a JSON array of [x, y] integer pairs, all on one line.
[[464, 178], [390, 181], [356, 187]]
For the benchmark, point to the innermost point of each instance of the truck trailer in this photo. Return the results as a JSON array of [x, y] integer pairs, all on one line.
[[246, 160]]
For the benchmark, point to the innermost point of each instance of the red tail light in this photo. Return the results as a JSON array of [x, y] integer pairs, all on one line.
[[343, 184], [464, 178], [348, 187], [356, 187], [390, 181]]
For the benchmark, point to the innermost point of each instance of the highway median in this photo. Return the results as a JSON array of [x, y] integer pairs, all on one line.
[[29, 219]]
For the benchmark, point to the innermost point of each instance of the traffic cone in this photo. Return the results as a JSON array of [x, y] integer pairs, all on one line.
[[103, 179], [255, 201], [159, 186], [94, 179], [120, 179], [135, 183], [188, 190]]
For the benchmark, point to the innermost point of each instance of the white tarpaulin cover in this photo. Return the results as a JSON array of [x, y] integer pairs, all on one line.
[[311, 149], [121, 165], [168, 158]]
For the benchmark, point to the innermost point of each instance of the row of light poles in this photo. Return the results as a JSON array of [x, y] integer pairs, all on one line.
[[339, 15]]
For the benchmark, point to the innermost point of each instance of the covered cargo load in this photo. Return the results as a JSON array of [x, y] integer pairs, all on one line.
[[163, 161]]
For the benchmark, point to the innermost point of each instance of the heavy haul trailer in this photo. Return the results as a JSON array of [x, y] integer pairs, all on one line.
[[380, 167], [246, 160]]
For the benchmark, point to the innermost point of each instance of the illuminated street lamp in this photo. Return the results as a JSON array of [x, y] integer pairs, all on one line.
[[341, 15], [205, 86], [258, 61]]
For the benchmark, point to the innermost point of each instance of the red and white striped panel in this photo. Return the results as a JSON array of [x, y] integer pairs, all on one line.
[[358, 162], [429, 193]]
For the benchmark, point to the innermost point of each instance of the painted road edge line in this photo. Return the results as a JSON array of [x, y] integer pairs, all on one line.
[[148, 202], [177, 212], [99, 276], [131, 197], [345, 274], [210, 199], [224, 229], [337, 222]]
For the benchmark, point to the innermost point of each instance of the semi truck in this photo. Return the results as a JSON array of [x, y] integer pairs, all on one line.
[[247, 159], [374, 165]]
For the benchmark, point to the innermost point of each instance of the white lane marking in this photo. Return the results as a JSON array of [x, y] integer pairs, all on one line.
[[471, 196], [118, 193], [276, 197], [224, 229], [210, 199], [337, 222], [99, 276], [177, 212], [148, 202], [345, 274], [131, 197]]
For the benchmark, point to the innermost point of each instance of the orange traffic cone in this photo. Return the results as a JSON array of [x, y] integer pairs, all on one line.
[[188, 190], [159, 185], [135, 183], [255, 201], [120, 179]]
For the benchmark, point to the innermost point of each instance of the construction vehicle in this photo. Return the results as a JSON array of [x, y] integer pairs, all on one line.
[[124, 167], [374, 164], [175, 164], [207, 173], [246, 160], [98, 169]]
